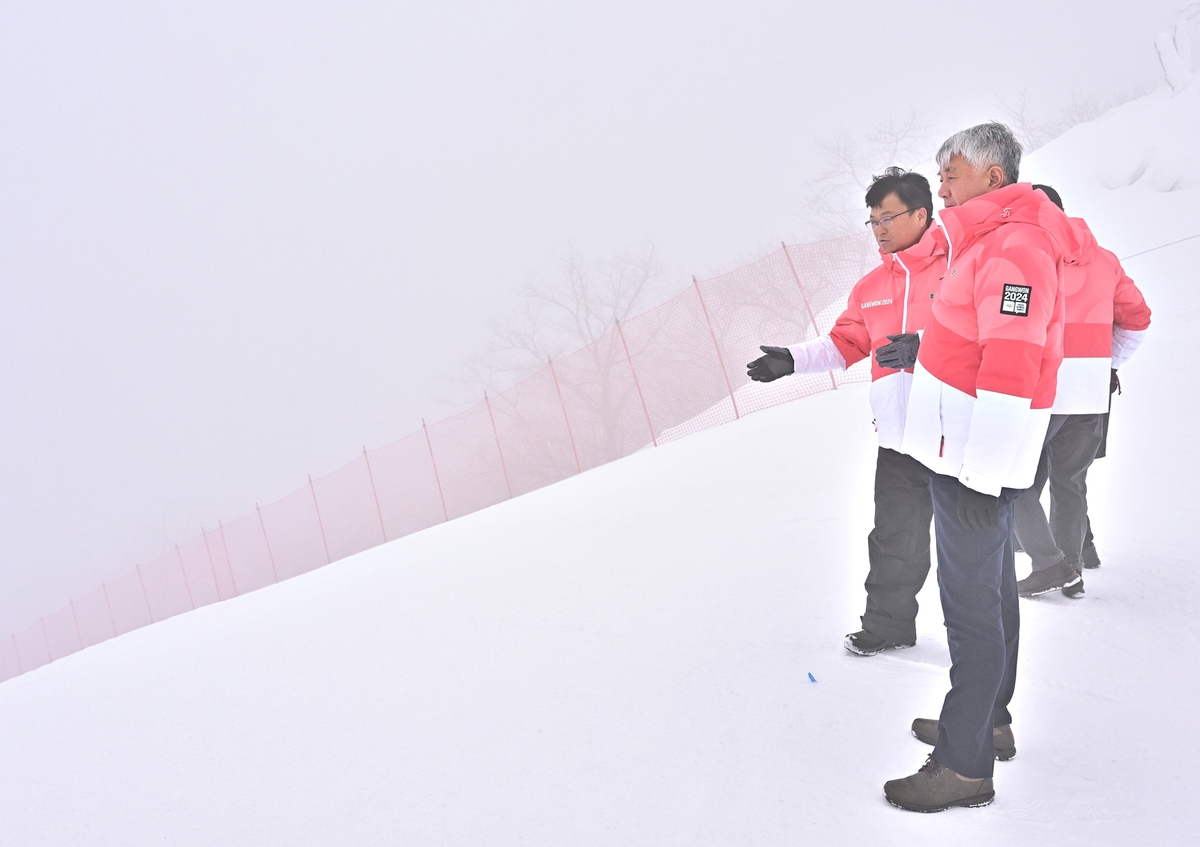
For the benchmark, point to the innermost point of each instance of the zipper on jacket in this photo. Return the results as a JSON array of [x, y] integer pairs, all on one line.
[[941, 422], [949, 243], [941, 386], [907, 279]]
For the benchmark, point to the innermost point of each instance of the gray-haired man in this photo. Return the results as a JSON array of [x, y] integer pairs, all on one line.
[[977, 417]]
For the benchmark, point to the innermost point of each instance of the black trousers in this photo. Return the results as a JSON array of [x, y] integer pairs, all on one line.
[[898, 546], [978, 583], [1071, 445]]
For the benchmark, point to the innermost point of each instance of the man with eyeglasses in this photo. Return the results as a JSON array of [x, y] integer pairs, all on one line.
[[886, 310], [978, 412]]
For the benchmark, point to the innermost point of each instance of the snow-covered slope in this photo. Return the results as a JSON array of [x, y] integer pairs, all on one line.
[[1133, 173], [623, 658]]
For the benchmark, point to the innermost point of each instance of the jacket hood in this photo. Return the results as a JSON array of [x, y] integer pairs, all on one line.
[[1017, 203], [916, 258], [1088, 248]]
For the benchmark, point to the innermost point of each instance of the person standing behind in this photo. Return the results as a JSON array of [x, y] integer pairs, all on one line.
[[977, 416], [1106, 318], [885, 310]]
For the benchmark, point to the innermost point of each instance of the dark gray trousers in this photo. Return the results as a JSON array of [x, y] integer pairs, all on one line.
[[978, 583], [1070, 448], [898, 546]]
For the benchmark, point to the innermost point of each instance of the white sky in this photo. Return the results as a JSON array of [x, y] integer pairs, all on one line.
[[238, 242]]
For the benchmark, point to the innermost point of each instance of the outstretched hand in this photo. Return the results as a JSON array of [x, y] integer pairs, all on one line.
[[901, 353], [778, 362]]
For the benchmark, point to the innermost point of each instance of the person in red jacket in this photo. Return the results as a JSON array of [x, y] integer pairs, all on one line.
[[977, 415], [885, 310], [1106, 318]]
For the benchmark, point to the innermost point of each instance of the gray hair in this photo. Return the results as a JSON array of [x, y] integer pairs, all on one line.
[[983, 146]]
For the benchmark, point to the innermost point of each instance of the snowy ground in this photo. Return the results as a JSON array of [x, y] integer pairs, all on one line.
[[623, 659]]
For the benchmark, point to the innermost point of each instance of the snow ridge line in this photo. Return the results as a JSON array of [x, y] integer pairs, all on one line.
[[1160, 247]]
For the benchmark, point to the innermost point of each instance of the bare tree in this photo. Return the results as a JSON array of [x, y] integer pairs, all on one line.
[[572, 317], [834, 201], [565, 314], [1034, 130]]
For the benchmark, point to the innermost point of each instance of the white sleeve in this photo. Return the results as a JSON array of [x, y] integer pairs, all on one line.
[[997, 424], [1125, 342], [817, 356]]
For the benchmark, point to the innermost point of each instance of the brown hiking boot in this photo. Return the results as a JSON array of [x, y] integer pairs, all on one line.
[[935, 788], [1052, 578], [926, 730]]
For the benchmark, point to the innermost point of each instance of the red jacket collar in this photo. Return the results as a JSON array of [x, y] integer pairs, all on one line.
[[918, 257], [1017, 203]]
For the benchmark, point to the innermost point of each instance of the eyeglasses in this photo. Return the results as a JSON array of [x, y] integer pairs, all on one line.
[[884, 223]]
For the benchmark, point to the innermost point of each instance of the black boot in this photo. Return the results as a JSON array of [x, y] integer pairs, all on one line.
[[865, 644]]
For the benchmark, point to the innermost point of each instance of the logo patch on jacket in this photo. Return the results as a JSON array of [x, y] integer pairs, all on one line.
[[1015, 300], [872, 303]]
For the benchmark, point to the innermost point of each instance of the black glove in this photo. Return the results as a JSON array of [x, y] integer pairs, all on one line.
[[976, 510], [1114, 383], [778, 362], [901, 353]]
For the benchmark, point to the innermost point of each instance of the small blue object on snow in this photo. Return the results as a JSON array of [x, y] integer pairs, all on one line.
[[812, 678]]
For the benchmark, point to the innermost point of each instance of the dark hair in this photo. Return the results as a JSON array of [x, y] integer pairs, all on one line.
[[911, 188], [1052, 194]]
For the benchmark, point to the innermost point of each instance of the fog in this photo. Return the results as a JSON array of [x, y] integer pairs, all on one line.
[[240, 242]]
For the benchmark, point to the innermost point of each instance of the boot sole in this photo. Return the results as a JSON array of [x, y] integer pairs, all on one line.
[[1002, 755], [858, 652], [1041, 591], [966, 803]]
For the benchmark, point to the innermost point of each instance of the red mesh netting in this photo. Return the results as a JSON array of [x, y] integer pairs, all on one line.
[[351, 517], [407, 484], [672, 371], [166, 585]]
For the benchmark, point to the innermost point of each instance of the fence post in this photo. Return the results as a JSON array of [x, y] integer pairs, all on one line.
[[637, 384], [228, 560], [567, 420], [212, 566], [183, 572], [108, 602], [496, 432], [270, 555], [75, 617], [436, 477], [378, 510], [807, 307], [145, 596], [320, 523], [717, 347]]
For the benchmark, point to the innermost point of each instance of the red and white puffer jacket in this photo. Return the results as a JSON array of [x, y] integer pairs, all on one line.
[[893, 298], [986, 371], [1106, 319]]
